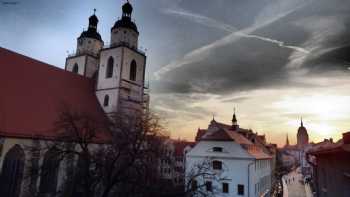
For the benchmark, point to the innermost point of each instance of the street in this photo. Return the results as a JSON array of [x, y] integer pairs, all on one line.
[[294, 185]]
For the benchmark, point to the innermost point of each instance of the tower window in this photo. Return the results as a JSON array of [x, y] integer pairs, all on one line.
[[109, 71], [75, 68], [133, 68], [106, 101]]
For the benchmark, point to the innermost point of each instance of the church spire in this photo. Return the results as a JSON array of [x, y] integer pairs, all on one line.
[[234, 120], [287, 140], [301, 122]]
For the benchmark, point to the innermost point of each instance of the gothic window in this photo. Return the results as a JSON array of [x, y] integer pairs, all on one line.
[[106, 101], [109, 71], [49, 172], [12, 172], [75, 68], [133, 68]]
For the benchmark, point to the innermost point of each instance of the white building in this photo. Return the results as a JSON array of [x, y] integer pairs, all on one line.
[[240, 166], [98, 80]]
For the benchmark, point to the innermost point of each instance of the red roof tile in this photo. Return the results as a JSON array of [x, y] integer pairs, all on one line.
[[32, 93]]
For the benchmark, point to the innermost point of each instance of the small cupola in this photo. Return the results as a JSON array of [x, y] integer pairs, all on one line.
[[235, 125], [127, 9], [92, 29]]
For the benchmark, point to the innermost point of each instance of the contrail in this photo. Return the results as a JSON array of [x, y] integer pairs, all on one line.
[[200, 53], [203, 20]]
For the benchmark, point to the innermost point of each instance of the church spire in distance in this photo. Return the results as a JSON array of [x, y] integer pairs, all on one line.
[[234, 120], [301, 122]]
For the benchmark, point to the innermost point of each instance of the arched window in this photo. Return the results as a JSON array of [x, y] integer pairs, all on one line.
[[133, 68], [109, 71], [75, 68], [12, 172], [217, 165], [49, 172], [106, 101]]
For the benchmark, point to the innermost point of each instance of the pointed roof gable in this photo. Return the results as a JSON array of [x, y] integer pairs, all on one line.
[[32, 94]]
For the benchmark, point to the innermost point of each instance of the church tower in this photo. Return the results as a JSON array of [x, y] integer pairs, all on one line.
[[121, 75], [235, 125], [302, 136], [89, 44]]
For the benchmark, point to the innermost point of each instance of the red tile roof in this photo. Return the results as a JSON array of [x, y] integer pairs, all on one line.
[[32, 94]]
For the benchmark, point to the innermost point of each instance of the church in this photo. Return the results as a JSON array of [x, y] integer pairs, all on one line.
[[99, 79], [296, 154]]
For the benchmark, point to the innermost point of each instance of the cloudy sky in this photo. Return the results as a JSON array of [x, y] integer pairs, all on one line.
[[274, 60]]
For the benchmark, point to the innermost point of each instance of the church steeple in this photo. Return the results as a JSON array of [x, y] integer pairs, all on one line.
[[287, 141], [301, 122], [124, 31], [235, 125]]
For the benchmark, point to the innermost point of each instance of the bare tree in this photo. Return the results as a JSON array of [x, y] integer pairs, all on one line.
[[117, 157]]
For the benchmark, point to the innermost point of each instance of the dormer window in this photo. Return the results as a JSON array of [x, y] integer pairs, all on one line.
[[217, 149]]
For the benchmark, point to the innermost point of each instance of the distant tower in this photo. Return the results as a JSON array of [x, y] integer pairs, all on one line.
[[121, 76], [89, 44], [302, 136], [287, 141], [235, 125]]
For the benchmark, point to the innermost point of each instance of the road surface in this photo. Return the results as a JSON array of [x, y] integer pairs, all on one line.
[[294, 185]]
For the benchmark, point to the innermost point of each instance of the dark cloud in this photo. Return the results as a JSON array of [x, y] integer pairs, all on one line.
[[249, 63]]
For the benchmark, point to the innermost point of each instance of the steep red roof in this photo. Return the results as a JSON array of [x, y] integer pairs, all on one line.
[[32, 94]]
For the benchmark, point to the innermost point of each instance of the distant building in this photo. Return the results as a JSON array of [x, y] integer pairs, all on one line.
[[331, 165], [236, 155], [172, 165], [302, 136], [296, 154]]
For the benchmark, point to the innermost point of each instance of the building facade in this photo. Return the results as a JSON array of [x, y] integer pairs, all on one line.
[[239, 165], [331, 166]]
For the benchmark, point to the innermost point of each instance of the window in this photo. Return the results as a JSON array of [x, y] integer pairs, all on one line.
[[217, 149], [133, 68], [208, 186], [217, 165], [49, 172], [106, 101], [109, 71], [225, 188], [240, 190], [75, 68], [12, 172], [194, 185]]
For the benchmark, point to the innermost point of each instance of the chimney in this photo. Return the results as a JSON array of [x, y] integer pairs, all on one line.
[[346, 138]]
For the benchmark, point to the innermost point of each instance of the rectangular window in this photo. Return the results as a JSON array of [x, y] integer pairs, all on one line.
[[194, 185], [225, 188], [209, 186], [217, 165], [240, 190], [217, 149]]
